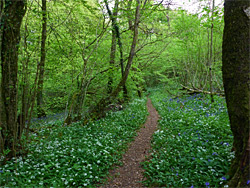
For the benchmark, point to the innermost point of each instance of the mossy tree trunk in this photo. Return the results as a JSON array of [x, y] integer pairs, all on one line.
[[236, 78], [14, 12]]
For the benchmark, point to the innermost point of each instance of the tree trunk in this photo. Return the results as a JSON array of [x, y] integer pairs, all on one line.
[[236, 79], [211, 57], [1, 30], [14, 12], [40, 109], [113, 43], [115, 28], [130, 25], [98, 110]]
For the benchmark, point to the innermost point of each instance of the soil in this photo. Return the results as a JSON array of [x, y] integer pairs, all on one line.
[[131, 173]]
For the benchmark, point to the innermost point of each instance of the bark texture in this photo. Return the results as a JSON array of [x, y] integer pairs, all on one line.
[[236, 78], [14, 12]]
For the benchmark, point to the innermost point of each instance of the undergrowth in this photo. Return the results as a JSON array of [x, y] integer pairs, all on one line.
[[76, 155], [192, 147]]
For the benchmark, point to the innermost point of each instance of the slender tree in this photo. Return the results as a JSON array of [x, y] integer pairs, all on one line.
[[116, 32], [113, 42], [40, 109], [236, 78], [211, 55], [14, 12], [1, 13]]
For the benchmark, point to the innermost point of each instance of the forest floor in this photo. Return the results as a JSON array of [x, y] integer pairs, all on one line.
[[131, 173]]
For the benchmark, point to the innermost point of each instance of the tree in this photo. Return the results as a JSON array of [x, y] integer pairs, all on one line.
[[113, 18], [116, 34], [14, 12], [40, 110], [98, 110], [211, 56], [236, 61]]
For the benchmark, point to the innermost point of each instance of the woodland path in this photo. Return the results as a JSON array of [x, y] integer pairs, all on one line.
[[131, 173]]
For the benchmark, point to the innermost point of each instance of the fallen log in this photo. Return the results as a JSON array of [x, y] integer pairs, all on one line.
[[193, 91]]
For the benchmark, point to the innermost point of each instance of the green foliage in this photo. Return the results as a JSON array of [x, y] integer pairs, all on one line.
[[75, 156], [172, 47], [186, 57], [193, 144]]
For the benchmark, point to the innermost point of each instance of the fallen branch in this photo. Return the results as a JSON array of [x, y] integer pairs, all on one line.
[[193, 91]]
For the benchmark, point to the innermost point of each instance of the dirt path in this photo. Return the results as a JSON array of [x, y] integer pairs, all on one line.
[[131, 173]]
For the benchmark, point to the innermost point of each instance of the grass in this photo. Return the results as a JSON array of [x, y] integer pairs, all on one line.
[[76, 155], [192, 147]]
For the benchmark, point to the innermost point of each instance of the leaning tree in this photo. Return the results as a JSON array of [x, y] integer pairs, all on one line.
[[236, 78]]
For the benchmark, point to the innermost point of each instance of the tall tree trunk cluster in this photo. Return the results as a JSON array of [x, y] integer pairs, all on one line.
[[236, 78], [98, 110], [13, 13]]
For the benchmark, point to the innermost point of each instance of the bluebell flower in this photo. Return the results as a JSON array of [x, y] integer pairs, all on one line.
[[1, 171], [227, 144], [214, 153], [207, 184], [193, 158], [192, 186], [221, 142], [208, 160], [179, 134], [248, 181], [223, 178], [177, 174]]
